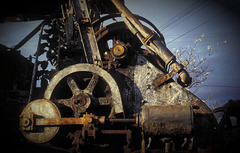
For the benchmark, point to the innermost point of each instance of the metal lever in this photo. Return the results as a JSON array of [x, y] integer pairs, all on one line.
[[27, 122]]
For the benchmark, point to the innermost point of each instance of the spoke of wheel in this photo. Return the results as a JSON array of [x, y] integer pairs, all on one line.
[[92, 84], [73, 85], [105, 100], [66, 102]]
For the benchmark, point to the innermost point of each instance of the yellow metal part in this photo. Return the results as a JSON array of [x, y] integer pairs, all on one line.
[[40, 121], [40, 108], [86, 119]]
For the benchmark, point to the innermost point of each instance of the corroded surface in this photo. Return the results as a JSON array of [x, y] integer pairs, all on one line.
[[113, 88], [141, 77], [167, 119]]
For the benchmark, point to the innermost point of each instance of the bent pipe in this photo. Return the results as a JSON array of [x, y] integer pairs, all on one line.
[[102, 19], [183, 78], [154, 43]]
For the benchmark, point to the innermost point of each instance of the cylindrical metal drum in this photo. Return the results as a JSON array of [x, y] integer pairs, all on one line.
[[167, 119]]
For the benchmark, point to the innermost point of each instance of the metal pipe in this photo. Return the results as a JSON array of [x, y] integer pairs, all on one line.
[[161, 50], [28, 37], [114, 131], [33, 83], [155, 44], [58, 121], [122, 120], [123, 9], [152, 42]]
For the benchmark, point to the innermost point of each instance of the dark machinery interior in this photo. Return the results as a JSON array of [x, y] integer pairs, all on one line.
[[113, 90]]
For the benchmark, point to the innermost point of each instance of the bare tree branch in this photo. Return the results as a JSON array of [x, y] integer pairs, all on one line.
[[196, 63]]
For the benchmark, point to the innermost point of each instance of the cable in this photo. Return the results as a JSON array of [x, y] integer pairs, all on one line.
[[221, 86], [208, 34], [178, 15], [186, 18], [201, 24], [184, 13]]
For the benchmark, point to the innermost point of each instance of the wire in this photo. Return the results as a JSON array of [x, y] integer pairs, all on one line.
[[181, 15], [164, 25], [221, 86], [187, 17], [208, 34], [208, 20]]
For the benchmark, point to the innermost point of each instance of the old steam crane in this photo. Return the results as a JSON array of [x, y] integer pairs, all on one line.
[[114, 84]]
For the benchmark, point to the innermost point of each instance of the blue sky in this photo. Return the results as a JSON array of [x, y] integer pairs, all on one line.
[[13, 32], [212, 18], [218, 23]]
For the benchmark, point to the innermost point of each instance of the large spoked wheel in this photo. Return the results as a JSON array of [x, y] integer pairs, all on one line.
[[85, 88]]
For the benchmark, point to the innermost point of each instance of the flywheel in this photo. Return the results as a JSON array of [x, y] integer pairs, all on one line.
[[90, 87]]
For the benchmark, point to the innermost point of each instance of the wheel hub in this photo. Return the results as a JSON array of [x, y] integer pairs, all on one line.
[[82, 100]]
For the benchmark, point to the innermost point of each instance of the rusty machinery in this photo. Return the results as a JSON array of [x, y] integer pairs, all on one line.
[[118, 88]]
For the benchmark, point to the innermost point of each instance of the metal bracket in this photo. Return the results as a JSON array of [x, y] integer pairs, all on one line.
[[163, 78]]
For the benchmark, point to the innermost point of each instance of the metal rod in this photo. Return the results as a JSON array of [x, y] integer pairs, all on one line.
[[124, 120], [114, 131], [58, 121], [87, 32], [33, 83], [76, 121], [123, 9], [28, 37]]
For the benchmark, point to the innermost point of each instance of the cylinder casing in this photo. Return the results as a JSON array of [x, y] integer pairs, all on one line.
[[167, 119]]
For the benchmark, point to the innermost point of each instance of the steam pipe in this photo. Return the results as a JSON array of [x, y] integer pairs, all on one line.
[[153, 43], [124, 10]]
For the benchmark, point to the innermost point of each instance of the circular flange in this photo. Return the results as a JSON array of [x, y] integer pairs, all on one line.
[[40, 108]]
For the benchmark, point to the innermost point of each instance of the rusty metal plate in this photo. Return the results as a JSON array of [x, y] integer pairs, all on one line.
[[41, 108]]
